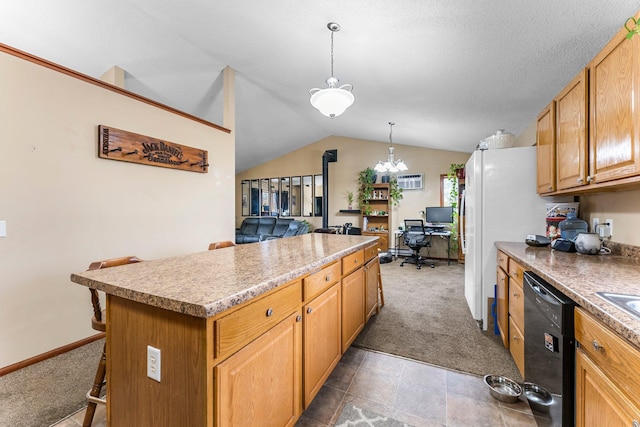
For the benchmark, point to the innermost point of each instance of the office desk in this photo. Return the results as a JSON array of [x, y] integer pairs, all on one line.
[[442, 234]]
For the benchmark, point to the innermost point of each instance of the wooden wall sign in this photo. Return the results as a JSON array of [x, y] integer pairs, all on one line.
[[116, 144]]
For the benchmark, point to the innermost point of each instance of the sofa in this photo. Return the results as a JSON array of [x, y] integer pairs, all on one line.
[[257, 229]]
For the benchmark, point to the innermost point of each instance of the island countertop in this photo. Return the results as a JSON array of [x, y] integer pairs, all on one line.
[[580, 276], [207, 283]]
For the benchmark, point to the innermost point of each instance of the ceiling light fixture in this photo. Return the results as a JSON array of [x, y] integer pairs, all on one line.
[[333, 100], [391, 165]]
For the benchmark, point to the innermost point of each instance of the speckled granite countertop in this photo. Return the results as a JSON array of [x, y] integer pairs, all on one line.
[[580, 276], [207, 283]]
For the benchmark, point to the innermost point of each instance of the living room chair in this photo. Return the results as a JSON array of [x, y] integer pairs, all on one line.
[[416, 238], [220, 245], [98, 322]]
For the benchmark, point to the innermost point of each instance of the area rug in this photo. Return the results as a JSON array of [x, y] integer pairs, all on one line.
[[426, 318], [354, 416]]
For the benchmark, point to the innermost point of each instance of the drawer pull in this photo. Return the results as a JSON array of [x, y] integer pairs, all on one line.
[[596, 346], [516, 338], [516, 295], [269, 312], [355, 260], [298, 318], [309, 310], [328, 278], [635, 423]]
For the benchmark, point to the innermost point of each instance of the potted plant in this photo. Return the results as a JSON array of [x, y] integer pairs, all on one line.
[[366, 178], [350, 199], [455, 171], [395, 192]]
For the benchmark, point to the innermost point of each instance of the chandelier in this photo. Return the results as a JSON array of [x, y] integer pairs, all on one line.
[[334, 100], [391, 165]]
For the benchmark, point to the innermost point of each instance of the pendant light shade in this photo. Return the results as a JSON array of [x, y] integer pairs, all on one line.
[[391, 165], [334, 100]]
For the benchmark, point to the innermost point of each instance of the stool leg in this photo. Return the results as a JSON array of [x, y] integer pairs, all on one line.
[[97, 388], [381, 292]]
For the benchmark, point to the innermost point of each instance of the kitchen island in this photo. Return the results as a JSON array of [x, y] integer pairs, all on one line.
[[246, 334]]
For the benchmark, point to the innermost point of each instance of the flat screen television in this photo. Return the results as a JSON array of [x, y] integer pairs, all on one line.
[[439, 214]]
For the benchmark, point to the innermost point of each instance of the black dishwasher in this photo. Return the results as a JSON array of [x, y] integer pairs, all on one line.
[[549, 350]]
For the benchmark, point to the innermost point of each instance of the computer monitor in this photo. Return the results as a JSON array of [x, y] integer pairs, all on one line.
[[439, 214]]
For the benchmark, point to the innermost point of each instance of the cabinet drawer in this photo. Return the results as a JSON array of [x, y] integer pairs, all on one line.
[[318, 282], [516, 345], [516, 303], [503, 261], [237, 329], [370, 252], [619, 359], [353, 261], [516, 272]]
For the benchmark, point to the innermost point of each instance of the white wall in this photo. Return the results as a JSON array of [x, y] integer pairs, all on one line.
[[65, 207]]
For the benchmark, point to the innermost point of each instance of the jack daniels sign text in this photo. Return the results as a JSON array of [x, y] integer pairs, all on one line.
[[116, 144]]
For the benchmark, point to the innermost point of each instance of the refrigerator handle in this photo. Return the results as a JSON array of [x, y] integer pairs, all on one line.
[[462, 237]]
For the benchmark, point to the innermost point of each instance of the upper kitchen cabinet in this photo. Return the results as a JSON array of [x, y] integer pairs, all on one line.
[[546, 149], [571, 133], [614, 97]]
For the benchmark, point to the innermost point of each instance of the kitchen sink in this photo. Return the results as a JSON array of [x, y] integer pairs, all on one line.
[[628, 303]]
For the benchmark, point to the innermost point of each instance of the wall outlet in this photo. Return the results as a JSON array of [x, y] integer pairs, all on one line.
[[609, 227], [3, 228], [594, 225], [153, 363]]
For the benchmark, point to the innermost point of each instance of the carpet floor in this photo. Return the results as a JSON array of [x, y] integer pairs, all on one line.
[[426, 318]]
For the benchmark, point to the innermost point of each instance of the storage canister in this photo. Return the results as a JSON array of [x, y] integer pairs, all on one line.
[[572, 226]]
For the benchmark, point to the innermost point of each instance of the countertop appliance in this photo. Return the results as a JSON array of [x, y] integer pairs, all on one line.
[[549, 349], [499, 203]]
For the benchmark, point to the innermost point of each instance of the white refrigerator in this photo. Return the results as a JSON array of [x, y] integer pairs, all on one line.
[[500, 204]]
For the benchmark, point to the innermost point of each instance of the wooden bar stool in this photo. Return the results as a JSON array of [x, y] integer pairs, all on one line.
[[98, 322], [220, 245]]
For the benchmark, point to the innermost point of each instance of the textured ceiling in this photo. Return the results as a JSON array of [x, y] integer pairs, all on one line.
[[449, 73]]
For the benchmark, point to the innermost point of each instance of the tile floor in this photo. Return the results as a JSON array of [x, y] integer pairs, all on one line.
[[412, 392]]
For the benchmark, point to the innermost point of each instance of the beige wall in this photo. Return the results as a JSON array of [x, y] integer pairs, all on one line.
[[64, 207], [355, 155]]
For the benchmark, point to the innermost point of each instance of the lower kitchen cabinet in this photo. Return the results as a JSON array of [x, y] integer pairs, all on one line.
[[261, 382], [607, 376], [502, 297], [322, 340], [352, 307], [598, 401]]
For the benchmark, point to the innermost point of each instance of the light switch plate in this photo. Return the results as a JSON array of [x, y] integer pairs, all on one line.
[[3, 228]]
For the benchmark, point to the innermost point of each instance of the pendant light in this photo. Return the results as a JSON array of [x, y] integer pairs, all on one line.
[[334, 100], [391, 165]]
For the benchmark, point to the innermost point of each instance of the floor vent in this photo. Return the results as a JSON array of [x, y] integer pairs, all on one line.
[[411, 182]]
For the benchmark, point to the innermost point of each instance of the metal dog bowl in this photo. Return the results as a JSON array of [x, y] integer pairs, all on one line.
[[539, 399], [502, 388]]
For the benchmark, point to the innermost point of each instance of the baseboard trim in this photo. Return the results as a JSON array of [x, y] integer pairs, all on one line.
[[49, 354]]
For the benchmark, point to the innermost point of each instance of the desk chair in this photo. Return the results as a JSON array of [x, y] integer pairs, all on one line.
[[416, 238], [98, 322]]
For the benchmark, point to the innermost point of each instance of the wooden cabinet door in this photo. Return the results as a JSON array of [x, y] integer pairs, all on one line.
[[372, 277], [322, 340], [598, 401], [261, 383], [353, 298], [503, 306], [516, 345], [571, 133], [546, 150], [614, 110]]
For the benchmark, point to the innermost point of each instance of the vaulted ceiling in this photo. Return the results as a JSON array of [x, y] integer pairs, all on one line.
[[448, 73]]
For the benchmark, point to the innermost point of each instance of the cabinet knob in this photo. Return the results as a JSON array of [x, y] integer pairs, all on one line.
[[589, 178], [635, 423], [269, 312], [580, 181], [516, 338], [549, 188], [596, 346], [298, 318], [516, 295], [309, 310], [328, 278]]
